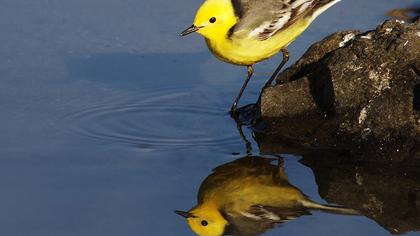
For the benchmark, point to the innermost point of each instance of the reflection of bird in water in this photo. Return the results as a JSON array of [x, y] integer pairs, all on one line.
[[245, 32], [247, 197]]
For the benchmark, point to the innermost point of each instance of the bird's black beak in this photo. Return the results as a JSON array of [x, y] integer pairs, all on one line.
[[185, 214], [190, 30]]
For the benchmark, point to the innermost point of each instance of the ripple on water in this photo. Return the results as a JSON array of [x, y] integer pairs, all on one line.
[[155, 122]]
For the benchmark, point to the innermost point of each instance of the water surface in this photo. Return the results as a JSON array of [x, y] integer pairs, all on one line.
[[110, 121]]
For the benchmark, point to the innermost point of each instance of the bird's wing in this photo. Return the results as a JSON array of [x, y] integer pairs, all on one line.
[[261, 19], [259, 219], [276, 214]]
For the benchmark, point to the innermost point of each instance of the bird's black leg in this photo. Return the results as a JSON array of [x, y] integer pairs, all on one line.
[[233, 109], [283, 62], [248, 144], [270, 81]]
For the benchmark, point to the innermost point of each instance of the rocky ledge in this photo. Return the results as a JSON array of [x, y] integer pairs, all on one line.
[[352, 90]]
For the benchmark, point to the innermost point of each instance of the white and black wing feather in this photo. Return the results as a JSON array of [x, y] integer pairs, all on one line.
[[262, 19], [259, 219]]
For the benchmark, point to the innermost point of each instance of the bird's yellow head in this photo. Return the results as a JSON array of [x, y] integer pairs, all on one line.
[[205, 221], [214, 19]]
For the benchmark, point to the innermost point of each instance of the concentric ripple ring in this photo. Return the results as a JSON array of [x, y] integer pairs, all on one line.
[[154, 124]]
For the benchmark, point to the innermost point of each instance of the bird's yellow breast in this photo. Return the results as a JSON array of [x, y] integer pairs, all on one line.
[[246, 50]]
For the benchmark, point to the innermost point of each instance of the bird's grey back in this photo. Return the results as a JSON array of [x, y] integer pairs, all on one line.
[[268, 17], [252, 13]]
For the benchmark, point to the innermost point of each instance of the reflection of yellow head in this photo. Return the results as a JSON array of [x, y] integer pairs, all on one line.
[[207, 221], [215, 18], [249, 196]]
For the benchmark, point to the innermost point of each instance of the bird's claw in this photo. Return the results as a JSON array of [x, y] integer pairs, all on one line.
[[234, 113]]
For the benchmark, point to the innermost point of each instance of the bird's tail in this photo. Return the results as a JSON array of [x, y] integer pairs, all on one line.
[[330, 208], [322, 6]]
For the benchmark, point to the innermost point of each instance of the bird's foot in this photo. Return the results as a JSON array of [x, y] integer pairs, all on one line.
[[234, 113], [244, 115]]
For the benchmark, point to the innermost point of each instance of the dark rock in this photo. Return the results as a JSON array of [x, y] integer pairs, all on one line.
[[407, 14], [352, 90]]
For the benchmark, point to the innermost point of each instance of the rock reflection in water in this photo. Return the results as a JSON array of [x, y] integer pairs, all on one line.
[[249, 196], [387, 193]]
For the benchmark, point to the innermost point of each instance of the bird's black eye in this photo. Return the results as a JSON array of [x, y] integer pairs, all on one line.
[[212, 20], [204, 223]]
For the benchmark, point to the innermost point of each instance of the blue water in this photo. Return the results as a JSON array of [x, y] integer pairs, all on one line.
[[110, 121]]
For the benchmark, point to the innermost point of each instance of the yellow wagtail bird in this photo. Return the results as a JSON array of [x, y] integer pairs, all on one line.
[[247, 197], [244, 32]]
